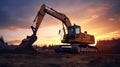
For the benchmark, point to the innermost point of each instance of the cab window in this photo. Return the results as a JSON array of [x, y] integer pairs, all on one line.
[[77, 30]]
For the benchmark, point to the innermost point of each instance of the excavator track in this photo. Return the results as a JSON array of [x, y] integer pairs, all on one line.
[[75, 49]]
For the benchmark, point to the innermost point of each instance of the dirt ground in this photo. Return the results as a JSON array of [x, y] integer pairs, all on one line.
[[59, 60]]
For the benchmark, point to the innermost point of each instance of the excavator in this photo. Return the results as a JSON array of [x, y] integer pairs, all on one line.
[[72, 33]]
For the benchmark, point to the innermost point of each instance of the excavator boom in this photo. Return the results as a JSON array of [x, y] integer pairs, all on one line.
[[59, 16], [43, 10]]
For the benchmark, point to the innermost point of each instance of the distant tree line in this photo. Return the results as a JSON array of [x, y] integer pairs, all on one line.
[[109, 46]]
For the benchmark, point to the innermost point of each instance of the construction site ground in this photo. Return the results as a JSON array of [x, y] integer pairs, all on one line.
[[51, 59]]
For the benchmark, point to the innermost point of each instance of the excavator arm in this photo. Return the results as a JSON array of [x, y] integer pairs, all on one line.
[[41, 13], [38, 19]]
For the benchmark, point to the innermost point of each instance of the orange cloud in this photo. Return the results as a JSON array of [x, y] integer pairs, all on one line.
[[15, 42], [110, 35]]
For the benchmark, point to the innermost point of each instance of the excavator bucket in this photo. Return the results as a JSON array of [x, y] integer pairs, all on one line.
[[26, 45]]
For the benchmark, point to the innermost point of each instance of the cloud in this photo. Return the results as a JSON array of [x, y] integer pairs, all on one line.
[[109, 35], [108, 15], [20, 14], [16, 14], [14, 42], [97, 16]]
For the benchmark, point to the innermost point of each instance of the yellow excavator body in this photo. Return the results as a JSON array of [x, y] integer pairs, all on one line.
[[84, 38]]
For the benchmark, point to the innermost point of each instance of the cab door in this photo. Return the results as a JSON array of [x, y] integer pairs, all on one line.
[[74, 32]]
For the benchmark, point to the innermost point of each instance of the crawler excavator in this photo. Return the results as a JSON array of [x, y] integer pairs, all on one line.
[[72, 34]]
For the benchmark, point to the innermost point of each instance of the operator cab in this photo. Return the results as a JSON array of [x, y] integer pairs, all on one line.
[[74, 31]]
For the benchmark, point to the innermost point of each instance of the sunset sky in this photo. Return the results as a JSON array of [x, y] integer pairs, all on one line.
[[100, 18]]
